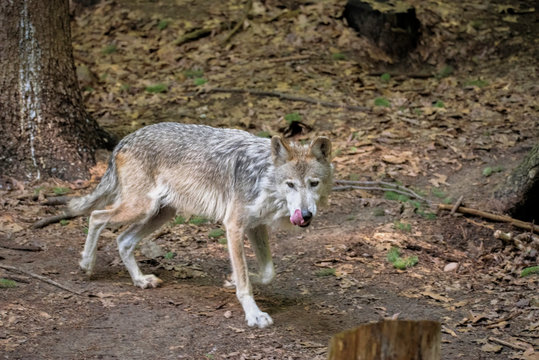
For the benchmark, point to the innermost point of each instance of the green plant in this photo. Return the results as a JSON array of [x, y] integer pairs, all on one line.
[[385, 77], [338, 56], [64, 222], [170, 255], [445, 72], [394, 257], [178, 220], [490, 170], [438, 193], [193, 73], [263, 134], [6, 283], [380, 101], [109, 49], [162, 25], [439, 104], [198, 220], [199, 81], [215, 233], [326, 272], [222, 241], [391, 195], [403, 226], [60, 190], [529, 270], [157, 88], [479, 83], [85, 230], [292, 117]]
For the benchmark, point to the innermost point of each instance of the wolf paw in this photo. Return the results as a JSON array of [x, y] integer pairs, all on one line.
[[260, 319], [87, 266], [147, 281]]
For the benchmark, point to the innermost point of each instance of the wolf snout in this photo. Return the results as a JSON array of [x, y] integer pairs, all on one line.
[[301, 217]]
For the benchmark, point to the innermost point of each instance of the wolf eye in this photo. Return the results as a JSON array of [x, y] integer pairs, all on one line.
[[290, 184], [314, 183]]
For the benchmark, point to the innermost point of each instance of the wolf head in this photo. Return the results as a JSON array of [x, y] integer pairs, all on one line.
[[303, 176]]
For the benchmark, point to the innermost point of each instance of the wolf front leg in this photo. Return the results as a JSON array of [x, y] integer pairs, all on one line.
[[259, 239], [240, 273]]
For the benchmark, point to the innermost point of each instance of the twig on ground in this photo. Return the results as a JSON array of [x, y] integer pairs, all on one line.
[[378, 185], [52, 219], [240, 22], [40, 277], [284, 96], [456, 205], [508, 344], [502, 218], [193, 35]]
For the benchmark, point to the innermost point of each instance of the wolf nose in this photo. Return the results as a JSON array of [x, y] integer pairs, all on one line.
[[306, 215]]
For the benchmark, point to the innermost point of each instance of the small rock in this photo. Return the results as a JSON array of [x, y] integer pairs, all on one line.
[[452, 266], [228, 314]]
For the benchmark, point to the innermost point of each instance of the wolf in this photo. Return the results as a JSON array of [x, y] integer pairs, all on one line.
[[246, 182]]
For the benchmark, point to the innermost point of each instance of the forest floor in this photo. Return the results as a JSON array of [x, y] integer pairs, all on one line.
[[451, 121]]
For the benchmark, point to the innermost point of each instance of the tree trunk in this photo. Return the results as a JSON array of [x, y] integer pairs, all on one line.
[[395, 340], [519, 193], [45, 130]]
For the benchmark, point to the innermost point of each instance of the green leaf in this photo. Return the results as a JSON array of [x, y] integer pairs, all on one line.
[[178, 220], [7, 283], [529, 271], [385, 77], [191, 74], [338, 56], [292, 117], [199, 81], [157, 88], [60, 190], [198, 220], [403, 226], [162, 25], [380, 101], [64, 222], [393, 254], [215, 233], [438, 193], [169, 255], [445, 72], [222, 241], [487, 171], [439, 104]]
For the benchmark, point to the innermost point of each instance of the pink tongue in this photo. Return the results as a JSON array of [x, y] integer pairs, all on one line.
[[297, 219]]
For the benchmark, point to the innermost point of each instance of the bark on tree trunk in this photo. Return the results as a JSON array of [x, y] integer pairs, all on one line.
[[519, 193], [44, 128]]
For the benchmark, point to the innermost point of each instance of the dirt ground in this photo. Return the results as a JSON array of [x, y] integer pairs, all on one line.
[[465, 102]]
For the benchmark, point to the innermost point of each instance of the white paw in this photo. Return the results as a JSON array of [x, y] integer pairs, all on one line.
[[147, 281], [260, 319], [87, 265]]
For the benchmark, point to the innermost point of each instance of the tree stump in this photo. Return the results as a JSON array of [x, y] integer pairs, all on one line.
[[394, 340], [392, 25], [519, 193]]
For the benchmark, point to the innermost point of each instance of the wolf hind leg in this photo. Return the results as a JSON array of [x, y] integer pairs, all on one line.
[[128, 240], [98, 221], [259, 239]]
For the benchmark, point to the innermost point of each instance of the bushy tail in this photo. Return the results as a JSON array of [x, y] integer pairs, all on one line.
[[104, 194]]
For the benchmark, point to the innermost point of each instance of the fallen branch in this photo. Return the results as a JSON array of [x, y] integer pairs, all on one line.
[[501, 218], [40, 277], [240, 22], [193, 35], [284, 96], [380, 186], [508, 344], [56, 200], [52, 219]]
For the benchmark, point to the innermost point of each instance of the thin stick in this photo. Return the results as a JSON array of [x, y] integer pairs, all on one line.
[[457, 204], [193, 35], [52, 219], [39, 277], [284, 96], [240, 22], [486, 215], [391, 187], [508, 344]]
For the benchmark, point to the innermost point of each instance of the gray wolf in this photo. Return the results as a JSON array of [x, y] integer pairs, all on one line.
[[247, 182]]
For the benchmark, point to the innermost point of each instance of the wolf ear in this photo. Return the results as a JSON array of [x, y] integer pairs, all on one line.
[[280, 151], [321, 148]]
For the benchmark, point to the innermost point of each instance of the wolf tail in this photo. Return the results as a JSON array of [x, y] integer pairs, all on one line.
[[104, 194]]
